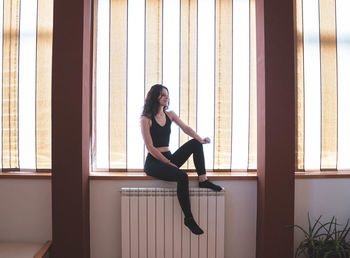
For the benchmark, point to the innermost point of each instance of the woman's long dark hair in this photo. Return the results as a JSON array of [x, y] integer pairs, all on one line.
[[151, 106]]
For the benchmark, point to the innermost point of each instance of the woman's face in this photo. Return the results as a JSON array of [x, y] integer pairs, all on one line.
[[163, 98]]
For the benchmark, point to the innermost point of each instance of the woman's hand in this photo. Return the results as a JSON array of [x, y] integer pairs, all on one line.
[[205, 140], [172, 164]]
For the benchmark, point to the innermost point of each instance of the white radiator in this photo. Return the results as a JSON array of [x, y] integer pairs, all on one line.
[[152, 224]]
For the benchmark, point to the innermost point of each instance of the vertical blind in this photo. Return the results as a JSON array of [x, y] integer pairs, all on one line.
[[323, 91], [26, 37], [202, 50]]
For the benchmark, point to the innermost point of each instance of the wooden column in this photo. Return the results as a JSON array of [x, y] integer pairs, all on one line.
[[71, 90], [276, 128]]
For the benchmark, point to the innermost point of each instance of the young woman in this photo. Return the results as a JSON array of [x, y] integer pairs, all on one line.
[[160, 162]]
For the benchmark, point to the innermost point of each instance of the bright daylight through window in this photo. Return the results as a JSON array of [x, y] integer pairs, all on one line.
[[203, 51]]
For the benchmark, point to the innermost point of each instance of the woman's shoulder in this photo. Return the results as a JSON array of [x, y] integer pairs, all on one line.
[[146, 120], [171, 114]]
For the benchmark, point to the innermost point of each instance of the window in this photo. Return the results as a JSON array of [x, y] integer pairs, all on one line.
[[26, 38], [323, 92], [203, 51]]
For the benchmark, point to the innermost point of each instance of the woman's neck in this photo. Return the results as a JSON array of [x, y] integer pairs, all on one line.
[[160, 111]]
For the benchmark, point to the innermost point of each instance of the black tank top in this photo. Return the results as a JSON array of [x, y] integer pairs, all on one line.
[[160, 134]]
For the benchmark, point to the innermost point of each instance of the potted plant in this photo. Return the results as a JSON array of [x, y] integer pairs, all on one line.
[[324, 240]]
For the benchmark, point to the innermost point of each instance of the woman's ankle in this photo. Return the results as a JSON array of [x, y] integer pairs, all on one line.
[[202, 178], [193, 226]]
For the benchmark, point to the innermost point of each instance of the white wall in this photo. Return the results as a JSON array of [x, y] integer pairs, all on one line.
[[240, 216], [25, 210], [326, 197]]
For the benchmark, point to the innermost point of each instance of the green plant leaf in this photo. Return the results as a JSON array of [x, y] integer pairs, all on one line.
[[324, 239], [345, 231], [304, 231]]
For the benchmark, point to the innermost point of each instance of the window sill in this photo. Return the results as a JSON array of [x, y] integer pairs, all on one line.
[[132, 175], [191, 175], [25, 175], [322, 174]]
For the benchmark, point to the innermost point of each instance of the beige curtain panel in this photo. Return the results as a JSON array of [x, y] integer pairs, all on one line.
[[40, 147], [153, 59], [319, 36]]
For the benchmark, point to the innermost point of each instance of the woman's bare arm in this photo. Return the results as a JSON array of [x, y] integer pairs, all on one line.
[[146, 134], [186, 129]]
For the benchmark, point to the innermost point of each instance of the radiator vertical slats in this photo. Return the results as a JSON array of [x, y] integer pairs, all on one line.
[[142, 225], [177, 229], [211, 226], [134, 226], [186, 238], [220, 217], [160, 219], [151, 223], [125, 226], [195, 212], [203, 222], [169, 224]]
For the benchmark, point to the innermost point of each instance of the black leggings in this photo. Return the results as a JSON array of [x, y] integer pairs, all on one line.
[[164, 171]]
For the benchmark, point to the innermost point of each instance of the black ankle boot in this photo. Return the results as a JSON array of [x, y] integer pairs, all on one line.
[[210, 185], [192, 225]]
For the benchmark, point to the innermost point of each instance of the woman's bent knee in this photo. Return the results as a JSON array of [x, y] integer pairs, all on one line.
[[196, 143]]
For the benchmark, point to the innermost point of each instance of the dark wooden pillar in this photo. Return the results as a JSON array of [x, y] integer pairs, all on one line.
[[276, 123], [71, 89]]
